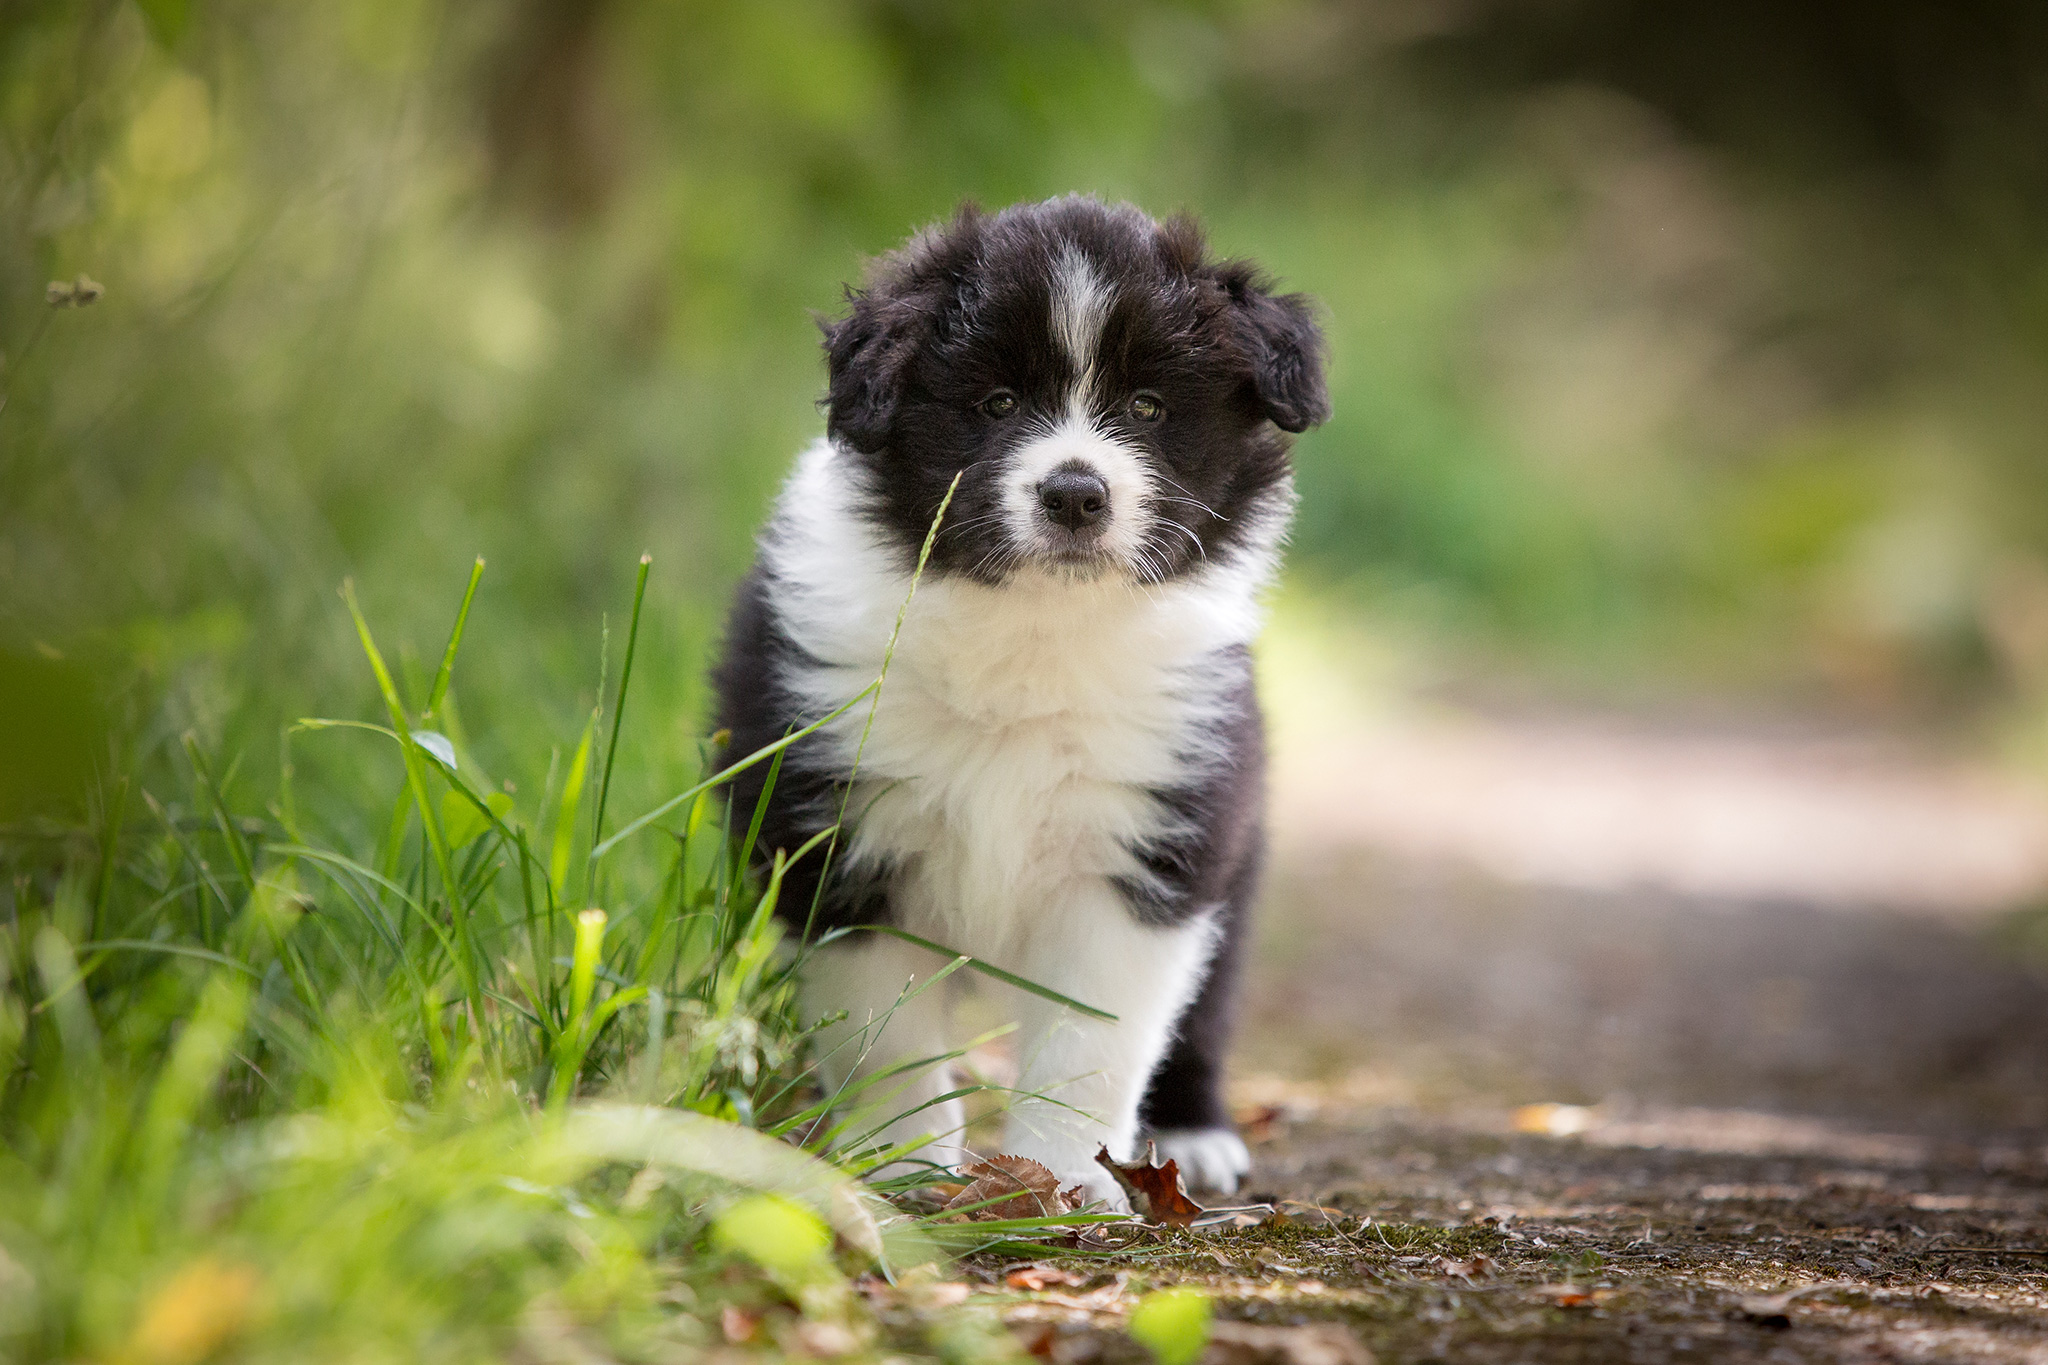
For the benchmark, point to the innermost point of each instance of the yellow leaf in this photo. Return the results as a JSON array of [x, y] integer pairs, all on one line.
[[1173, 1325], [194, 1314], [777, 1234]]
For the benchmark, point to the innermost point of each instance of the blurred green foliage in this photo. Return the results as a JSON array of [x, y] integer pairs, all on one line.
[[1697, 342], [1622, 384]]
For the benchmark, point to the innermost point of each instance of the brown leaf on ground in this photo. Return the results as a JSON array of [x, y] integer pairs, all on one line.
[[1271, 1261], [1099, 1237], [825, 1339], [1109, 1297], [1039, 1339], [929, 1298], [1574, 1296], [1249, 1343], [1554, 1120], [1477, 1267], [1038, 1276], [1155, 1191], [1774, 1310], [1010, 1187], [919, 1289], [738, 1325]]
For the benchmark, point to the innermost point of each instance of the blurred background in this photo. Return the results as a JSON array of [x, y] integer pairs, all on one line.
[[1661, 674]]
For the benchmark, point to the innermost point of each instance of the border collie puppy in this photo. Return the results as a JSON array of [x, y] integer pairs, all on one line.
[[1063, 773]]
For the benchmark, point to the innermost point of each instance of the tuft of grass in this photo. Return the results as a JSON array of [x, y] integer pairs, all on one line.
[[273, 1094]]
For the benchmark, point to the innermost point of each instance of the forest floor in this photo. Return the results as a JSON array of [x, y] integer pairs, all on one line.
[[1667, 1236], [1636, 1118]]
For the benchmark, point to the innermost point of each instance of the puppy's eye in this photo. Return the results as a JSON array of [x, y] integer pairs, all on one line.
[[1146, 407], [999, 404]]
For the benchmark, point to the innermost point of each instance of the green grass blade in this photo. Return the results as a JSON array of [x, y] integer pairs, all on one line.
[[745, 857], [238, 847], [415, 769], [139, 945], [447, 669], [924, 554], [987, 969], [110, 851], [565, 814], [191, 854], [727, 774], [611, 753]]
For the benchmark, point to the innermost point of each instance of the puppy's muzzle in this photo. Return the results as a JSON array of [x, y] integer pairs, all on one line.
[[1076, 498]]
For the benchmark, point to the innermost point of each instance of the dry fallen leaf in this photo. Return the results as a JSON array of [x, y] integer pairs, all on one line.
[[1575, 1296], [1038, 1338], [1104, 1237], [197, 1311], [1248, 1343], [1012, 1187], [825, 1339], [1038, 1276], [1155, 1191], [1554, 1120], [929, 1298], [738, 1325], [1267, 1259], [1478, 1267], [1565, 1295], [1774, 1310], [1106, 1297], [919, 1289]]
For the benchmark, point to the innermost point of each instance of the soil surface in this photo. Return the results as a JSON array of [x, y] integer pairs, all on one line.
[[1645, 1126], [1578, 1100]]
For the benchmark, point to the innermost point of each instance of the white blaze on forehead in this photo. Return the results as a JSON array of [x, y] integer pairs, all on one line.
[[1080, 302], [1080, 305]]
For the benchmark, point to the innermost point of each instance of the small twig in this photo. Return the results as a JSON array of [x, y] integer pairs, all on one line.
[[1212, 1217]]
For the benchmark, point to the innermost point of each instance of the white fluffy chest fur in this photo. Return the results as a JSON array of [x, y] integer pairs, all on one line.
[[1006, 770]]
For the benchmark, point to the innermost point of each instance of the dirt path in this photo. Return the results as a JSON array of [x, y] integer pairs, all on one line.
[[1663, 1235], [1625, 1096], [1584, 1044], [1667, 1236]]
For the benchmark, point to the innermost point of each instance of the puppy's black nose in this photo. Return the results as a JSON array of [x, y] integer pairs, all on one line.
[[1074, 498]]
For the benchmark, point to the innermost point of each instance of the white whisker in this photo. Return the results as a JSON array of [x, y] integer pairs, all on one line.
[[1174, 483], [1193, 539]]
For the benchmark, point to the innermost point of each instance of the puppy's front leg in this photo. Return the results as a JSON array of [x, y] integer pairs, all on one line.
[[1082, 1078]]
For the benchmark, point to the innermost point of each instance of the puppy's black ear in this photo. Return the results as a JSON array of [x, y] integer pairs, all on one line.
[[1279, 339], [870, 349]]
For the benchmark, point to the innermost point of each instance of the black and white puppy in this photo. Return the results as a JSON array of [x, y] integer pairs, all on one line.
[[1063, 775]]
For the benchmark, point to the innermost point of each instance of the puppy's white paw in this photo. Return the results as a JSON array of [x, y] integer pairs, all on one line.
[[1210, 1158]]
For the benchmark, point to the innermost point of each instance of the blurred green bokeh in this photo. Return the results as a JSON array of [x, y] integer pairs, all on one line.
[[1693, 346]]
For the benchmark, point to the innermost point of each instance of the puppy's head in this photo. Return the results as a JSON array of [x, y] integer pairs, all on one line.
[[1113, 401]]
